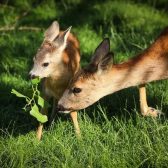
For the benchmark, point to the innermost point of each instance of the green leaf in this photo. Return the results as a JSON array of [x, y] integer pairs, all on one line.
[[40, 101], [35, 113], [17, 93], [35, 81]]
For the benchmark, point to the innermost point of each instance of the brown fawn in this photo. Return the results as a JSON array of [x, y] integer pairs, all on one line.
[[101, 77], [57, 60]]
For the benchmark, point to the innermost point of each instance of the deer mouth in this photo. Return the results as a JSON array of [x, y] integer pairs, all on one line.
[[64, 110]]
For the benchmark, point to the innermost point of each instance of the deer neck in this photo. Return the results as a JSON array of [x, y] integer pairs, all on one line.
[[146, 67]]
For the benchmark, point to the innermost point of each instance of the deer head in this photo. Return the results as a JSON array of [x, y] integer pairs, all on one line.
[[49, 55], [101, 77], [87, 86]]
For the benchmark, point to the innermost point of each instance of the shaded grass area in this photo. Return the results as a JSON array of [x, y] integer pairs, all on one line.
[[113, 132], [116, 142]]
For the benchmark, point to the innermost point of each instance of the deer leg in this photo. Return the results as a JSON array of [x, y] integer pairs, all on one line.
[[40, 127], [145, 109], [74, 116], [44, 111]]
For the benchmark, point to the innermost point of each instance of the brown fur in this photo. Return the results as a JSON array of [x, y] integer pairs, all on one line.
[[152, 63]]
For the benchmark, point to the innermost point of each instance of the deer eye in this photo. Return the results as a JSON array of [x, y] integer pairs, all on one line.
[[76, 90], [45, 64]]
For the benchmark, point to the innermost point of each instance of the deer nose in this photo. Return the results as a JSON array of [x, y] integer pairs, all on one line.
[[60, 108], [33, 76]]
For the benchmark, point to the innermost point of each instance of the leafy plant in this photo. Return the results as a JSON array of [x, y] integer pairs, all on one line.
[[33, 103]]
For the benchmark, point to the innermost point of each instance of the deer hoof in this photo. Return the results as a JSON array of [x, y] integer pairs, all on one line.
[[152, 112]]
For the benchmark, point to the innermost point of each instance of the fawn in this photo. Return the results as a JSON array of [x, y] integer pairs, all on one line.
[[56, 61], [101, 77]]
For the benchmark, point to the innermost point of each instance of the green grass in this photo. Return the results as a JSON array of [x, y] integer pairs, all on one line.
[[114, 134]]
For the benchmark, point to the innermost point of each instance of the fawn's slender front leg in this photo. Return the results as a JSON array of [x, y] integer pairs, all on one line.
[[145, 109], [45, 112], [40, 127], [74, 116]]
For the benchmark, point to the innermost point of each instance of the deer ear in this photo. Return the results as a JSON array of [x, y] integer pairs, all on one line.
[[102, 57], [106, 61], [101, 51], [52, 32], [104, 64], [62, 39]]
